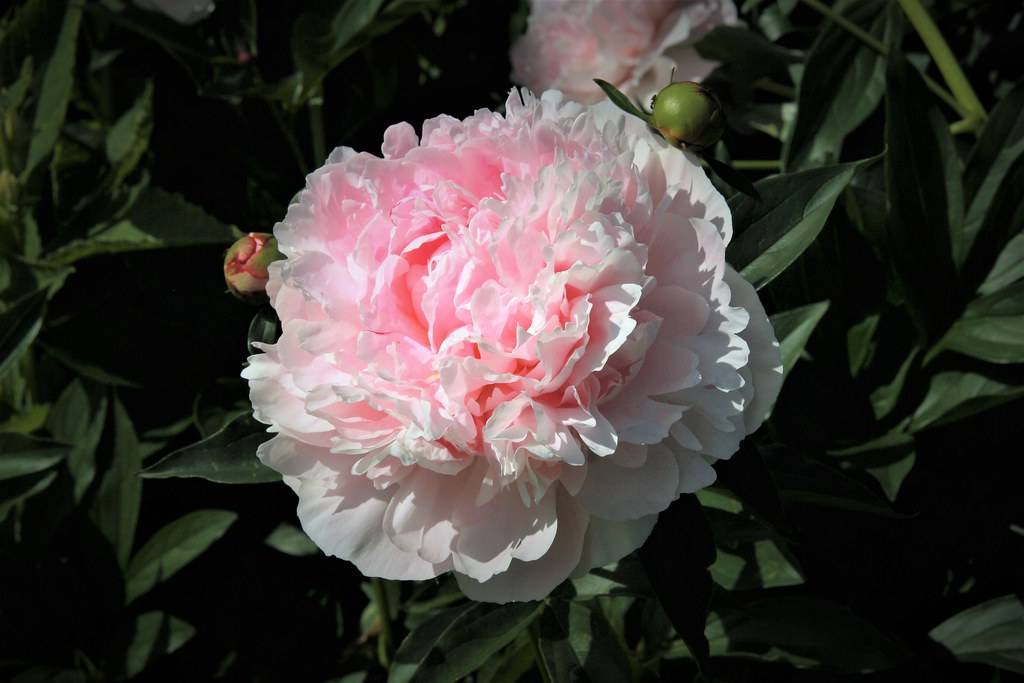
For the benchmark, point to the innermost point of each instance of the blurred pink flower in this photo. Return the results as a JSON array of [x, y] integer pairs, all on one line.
[[507, 346], [632, 44]]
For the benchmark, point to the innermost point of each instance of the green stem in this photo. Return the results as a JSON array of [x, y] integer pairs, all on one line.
[[756, 164], [534, 630], [775, 88], [880, 48], [316, 127], [386, 637], [943, 56], [293, 144], [5, 155]]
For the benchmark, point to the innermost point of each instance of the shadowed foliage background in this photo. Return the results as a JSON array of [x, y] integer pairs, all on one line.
[[872, 530]]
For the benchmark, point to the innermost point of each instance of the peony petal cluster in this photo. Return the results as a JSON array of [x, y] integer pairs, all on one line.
[[633, 44], [507, 346]]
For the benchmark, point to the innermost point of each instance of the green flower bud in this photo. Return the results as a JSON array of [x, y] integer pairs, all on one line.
[[688, 114], [245, 265]]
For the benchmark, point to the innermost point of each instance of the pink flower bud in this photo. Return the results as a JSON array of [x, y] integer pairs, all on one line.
[[245, 265]]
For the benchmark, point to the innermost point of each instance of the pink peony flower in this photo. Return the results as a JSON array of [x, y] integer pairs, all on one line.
[[507, 346], [632, 44]]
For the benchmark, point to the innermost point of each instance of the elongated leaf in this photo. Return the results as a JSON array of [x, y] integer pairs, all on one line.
[[1008, 268], [55, 91], [291, 541], [991, 328], [78, 418], [156, 634], [13, 491], [576, 642], [888, 459], [793, 328], [116, 506], [955, 395], [620, 100], [750, 554], [625, 577], [745, 53], [842, 84], [21, 454], [128, 138], [173, 547], [321, 40], [458, 641], [512, 665], [925, 197], [676, 557], [860, 344], [885, 398], [990, 633], [999, 147], [226, 457], [732, 177], [806, 632], [772, 233], [810, 482], [157, 220], [19, 326]]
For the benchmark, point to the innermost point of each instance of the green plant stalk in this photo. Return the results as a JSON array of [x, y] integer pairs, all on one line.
[[938, 48], [756, 164], [879, 47], [316, 127], [386, 636], [534, 631], [5, 155]]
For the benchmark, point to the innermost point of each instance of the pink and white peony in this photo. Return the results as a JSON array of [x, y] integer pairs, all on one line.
[[632, 44], [507, 346]]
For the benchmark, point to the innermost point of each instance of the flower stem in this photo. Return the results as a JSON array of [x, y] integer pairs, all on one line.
[[943, 56], [386, 637], [756, 164], [316, 126], [878, 46], [534, 630]]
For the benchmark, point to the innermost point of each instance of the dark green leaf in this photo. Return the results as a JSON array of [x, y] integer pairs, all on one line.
[[773, 232], [955, 395], [511, 665], [263, 328], [115, 508], [291, 541], [577, 643], [156, 634], [860, 343], [925, 198], [173, 547], [55, 90], [991, 328], [750, 554], [990, 633], [20, 454], [1008, 268], [734, 178], [13, 491], [457, 641], [793, 328], [226, 457], [999, 147], [128, 138], [676, 557], [745, 52], [842, 83], [157, 220], [885, 398], [806, 632], [626, 577], [620, 100], [888, 459], [809, 482], [19, 326], [77, 418]]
